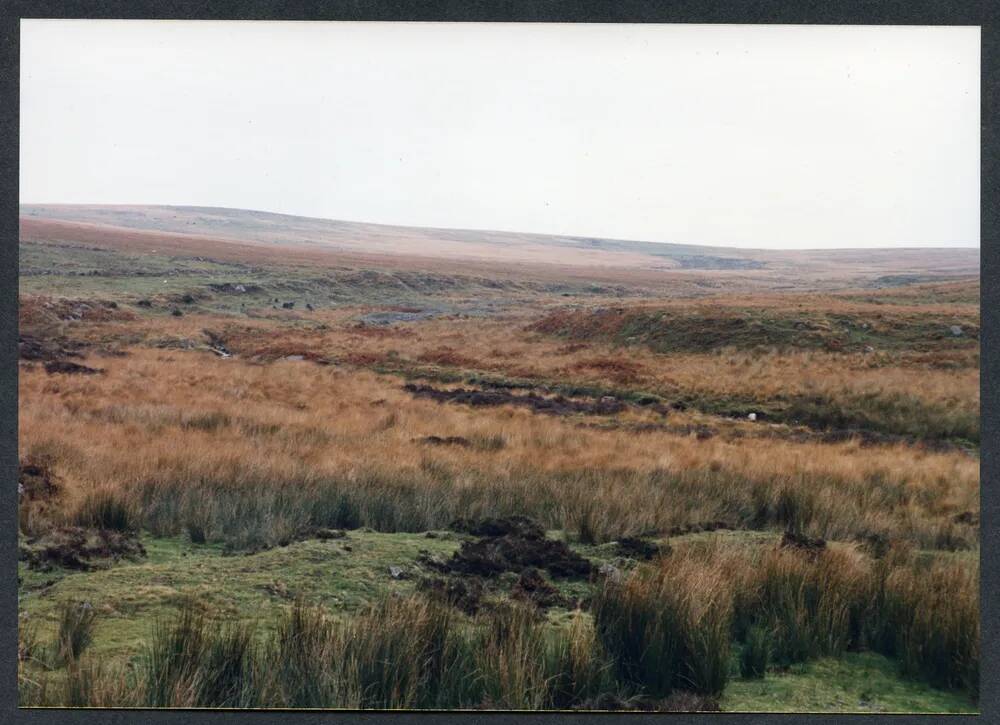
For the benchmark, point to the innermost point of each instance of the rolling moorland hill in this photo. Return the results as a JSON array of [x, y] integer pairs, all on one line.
[[216, 230]]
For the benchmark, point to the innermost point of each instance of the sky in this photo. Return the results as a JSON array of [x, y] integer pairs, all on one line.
[[775, 137]]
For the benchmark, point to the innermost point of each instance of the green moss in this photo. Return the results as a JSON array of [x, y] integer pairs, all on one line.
[[129, 597], [856, 682]]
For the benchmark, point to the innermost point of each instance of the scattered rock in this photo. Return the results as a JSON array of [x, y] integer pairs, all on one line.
[[610, 572], [752, 416], [287, 305], [216, 343], [235, 288], [397, 572], [955, 330]]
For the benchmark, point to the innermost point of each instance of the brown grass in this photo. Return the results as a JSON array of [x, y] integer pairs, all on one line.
[[191, 420]]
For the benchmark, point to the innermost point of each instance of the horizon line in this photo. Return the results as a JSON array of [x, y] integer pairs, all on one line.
[[977, 245]]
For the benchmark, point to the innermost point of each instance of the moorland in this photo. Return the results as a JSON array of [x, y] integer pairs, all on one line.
[[270, 461]]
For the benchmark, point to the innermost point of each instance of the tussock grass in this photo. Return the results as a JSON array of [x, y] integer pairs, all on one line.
[[105, 509], [669, 628], [254, 456], [76, 631], [257, 509], [755, 655]]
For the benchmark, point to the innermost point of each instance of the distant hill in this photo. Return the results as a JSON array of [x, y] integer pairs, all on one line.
[[507, 248]]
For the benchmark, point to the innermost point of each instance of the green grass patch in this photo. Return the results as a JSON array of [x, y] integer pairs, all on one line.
[[856, 682]]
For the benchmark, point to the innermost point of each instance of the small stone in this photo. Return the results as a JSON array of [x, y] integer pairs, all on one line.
[[956, 330], [752, 416], [396, 572], [610, 571]]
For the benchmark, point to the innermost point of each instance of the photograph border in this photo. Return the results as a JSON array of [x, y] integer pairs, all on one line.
[[893, 12]]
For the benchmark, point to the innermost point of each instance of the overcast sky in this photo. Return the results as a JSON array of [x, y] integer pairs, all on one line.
[[753, 136]]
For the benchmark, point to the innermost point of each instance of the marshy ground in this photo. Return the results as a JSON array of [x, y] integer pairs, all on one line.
[[232, 469]]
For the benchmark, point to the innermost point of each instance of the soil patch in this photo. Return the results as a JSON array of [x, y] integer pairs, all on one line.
[[676, 702], [30, 347], [465, 593], [494, 555], [557, 405], [532, 587], [444, 441], [73, 547], [66, 367], [801, 542], [36, 482], [634, 547], [701, 526], [520, 526]]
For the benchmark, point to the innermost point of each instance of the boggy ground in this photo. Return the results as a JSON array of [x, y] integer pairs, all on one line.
[[186, 451]]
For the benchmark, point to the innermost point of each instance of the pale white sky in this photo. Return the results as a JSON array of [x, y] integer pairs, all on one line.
[[753, 136]]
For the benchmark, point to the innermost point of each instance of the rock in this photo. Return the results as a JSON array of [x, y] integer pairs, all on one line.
[[869, 349], [397, 572], [610, 572], [287, 305], [955, 330], [752, 416], [294, 358]]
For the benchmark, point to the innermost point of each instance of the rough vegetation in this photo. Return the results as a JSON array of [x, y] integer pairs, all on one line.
[[369, 483]]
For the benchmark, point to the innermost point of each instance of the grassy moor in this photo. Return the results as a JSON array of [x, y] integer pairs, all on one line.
[[271, 461]]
